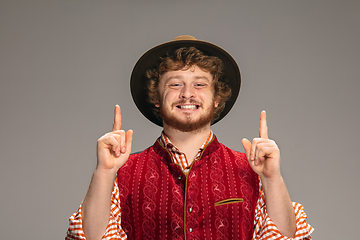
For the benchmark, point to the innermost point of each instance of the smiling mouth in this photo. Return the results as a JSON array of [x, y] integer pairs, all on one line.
[[188, 106]]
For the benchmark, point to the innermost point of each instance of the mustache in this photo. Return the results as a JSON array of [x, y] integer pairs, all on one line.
[[191, 101]]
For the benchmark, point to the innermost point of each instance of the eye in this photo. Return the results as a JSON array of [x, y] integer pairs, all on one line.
[[200, 85], [174, 85]]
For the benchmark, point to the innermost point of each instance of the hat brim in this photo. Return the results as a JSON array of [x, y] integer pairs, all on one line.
[[149, 60]]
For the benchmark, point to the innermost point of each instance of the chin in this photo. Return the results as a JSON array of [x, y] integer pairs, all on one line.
[[187, 125]]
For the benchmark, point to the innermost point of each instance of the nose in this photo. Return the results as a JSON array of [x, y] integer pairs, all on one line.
[[187, 92]]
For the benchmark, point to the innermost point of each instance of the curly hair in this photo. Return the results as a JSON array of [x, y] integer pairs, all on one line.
[[187, 57]]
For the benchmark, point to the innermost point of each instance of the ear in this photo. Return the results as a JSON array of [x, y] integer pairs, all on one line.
[[156, 103], [215, 96], [216, 103]]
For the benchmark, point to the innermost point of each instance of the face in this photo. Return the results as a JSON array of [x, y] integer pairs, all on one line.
[[187, 99]]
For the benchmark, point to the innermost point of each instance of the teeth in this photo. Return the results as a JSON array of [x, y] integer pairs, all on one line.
[[188, 106]]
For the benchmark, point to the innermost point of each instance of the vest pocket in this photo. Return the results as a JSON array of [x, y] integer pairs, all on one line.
[[229, 201]]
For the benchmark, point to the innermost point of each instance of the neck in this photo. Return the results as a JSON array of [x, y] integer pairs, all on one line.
[[188, 142]]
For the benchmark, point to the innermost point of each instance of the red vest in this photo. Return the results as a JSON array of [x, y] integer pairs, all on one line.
[[215, 201]]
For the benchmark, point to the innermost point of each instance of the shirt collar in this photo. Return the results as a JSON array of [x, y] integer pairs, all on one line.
[[165, 142]]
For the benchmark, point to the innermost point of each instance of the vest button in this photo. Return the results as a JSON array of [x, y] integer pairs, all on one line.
[[179, 177], [190, 230], [190, 210]]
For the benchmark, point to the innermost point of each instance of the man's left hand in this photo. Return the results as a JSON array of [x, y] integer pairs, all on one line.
[[263, 154]]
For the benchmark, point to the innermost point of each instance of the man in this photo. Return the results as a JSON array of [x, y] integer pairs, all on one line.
[[187, 185]]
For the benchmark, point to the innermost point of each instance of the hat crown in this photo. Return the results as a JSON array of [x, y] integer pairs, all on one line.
[[184, 37]]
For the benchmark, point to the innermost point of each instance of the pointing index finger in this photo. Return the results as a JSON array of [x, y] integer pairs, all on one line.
[[263, 129], [117, 118]]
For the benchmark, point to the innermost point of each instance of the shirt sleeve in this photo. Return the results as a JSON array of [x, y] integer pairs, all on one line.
[[113, 230], [265, 229]]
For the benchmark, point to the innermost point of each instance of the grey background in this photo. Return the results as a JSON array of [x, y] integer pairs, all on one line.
[[64, 64]]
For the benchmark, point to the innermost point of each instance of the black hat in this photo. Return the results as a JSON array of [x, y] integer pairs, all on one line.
[[150, 59]]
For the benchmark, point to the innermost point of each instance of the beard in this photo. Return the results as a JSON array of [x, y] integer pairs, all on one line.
[[187, 125]]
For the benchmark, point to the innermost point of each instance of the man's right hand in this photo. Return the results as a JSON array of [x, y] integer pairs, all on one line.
[[114, 148]]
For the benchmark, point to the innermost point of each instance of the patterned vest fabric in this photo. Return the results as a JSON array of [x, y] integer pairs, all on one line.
[[215, 201]]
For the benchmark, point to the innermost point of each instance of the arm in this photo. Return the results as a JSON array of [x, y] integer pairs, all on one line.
[[264, 158], [113, 150], [279, 205], [265, 227], [113, 229]]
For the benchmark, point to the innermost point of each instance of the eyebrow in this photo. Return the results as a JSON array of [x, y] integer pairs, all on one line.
[[174, 77], [202, 77]]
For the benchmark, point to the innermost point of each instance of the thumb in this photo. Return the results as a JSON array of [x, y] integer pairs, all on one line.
[[247, 146]]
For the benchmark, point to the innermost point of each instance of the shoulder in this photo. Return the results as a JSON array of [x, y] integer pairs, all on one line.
[[236, 158], [237, 163], [135, 160], [222, 147], [139, 154], [235, 153]]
